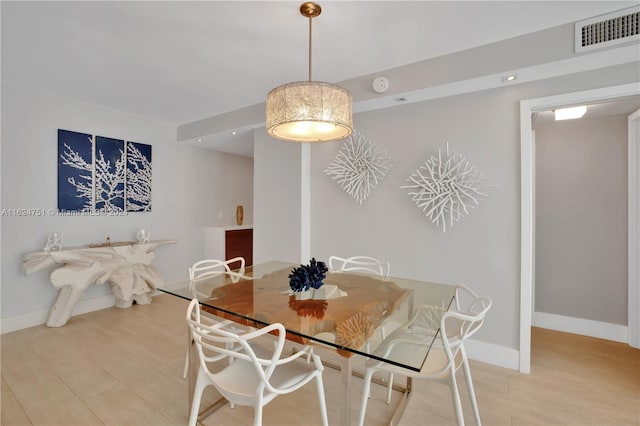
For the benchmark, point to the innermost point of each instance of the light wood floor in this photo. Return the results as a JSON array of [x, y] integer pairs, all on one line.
[[124, 366]]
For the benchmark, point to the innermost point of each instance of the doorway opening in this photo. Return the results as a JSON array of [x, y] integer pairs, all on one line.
[[527, 108]]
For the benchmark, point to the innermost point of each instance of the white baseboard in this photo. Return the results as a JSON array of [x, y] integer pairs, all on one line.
[[510, 358], [584, 327], [493, 354], [31, 319]]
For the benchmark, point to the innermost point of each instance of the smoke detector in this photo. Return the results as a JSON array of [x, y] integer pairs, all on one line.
[[380, 84]]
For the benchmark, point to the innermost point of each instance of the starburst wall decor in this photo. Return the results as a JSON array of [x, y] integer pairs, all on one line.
[[359, 166], [446, 187]]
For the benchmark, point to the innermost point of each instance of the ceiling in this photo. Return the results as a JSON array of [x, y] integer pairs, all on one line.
[[182, 61]]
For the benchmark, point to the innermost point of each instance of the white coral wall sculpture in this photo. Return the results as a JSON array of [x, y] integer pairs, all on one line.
[[446, 187], [359, 166]]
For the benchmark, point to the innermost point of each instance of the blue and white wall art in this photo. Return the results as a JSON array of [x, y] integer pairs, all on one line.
[[109, 174], [75, 171], [138, 177], [97, 173]]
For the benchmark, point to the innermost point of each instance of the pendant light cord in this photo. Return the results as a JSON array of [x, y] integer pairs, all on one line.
[[310, 18]]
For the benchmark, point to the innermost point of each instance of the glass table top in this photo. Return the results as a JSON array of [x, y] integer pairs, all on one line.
[[351, 312]]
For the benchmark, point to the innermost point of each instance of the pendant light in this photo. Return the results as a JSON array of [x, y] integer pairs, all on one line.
[[309, 111]]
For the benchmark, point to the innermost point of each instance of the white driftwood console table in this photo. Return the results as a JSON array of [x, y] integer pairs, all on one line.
[[126, 266]]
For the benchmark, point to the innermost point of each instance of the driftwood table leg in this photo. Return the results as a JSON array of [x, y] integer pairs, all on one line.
[[61, 311]]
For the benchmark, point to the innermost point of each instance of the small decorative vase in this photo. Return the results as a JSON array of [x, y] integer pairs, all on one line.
[[239, 215]]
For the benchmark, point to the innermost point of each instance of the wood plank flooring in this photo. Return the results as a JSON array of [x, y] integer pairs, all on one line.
[[124, 366]]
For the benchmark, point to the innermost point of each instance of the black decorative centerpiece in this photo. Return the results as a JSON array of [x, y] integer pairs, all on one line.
[[307, 277]]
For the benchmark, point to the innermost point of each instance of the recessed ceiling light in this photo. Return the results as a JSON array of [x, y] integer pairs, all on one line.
[[234, 133], [570, 113], [199, 140], [402, 99], [510, 77]]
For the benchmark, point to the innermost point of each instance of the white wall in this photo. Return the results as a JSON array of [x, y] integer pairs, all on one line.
[[233, 178], [483, 249], [190, 186], [581, 218], [277, 200]]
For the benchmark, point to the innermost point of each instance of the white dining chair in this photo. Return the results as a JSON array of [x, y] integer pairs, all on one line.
[[366, 264], [213, 267], [206, 269], [445, 358], [256, 375]]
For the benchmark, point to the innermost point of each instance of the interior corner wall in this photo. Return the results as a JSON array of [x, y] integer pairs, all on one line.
[[581, 218], [234, 178], [189, 188], [277, 232], [482, 250]]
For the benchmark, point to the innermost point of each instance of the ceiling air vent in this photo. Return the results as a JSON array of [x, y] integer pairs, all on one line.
[[606, 30]]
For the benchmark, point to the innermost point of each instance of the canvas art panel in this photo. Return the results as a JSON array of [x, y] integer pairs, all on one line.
[[75, 171], [138, 177], [109, 174]]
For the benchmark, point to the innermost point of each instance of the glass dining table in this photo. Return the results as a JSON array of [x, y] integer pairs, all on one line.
[[348, 317]]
